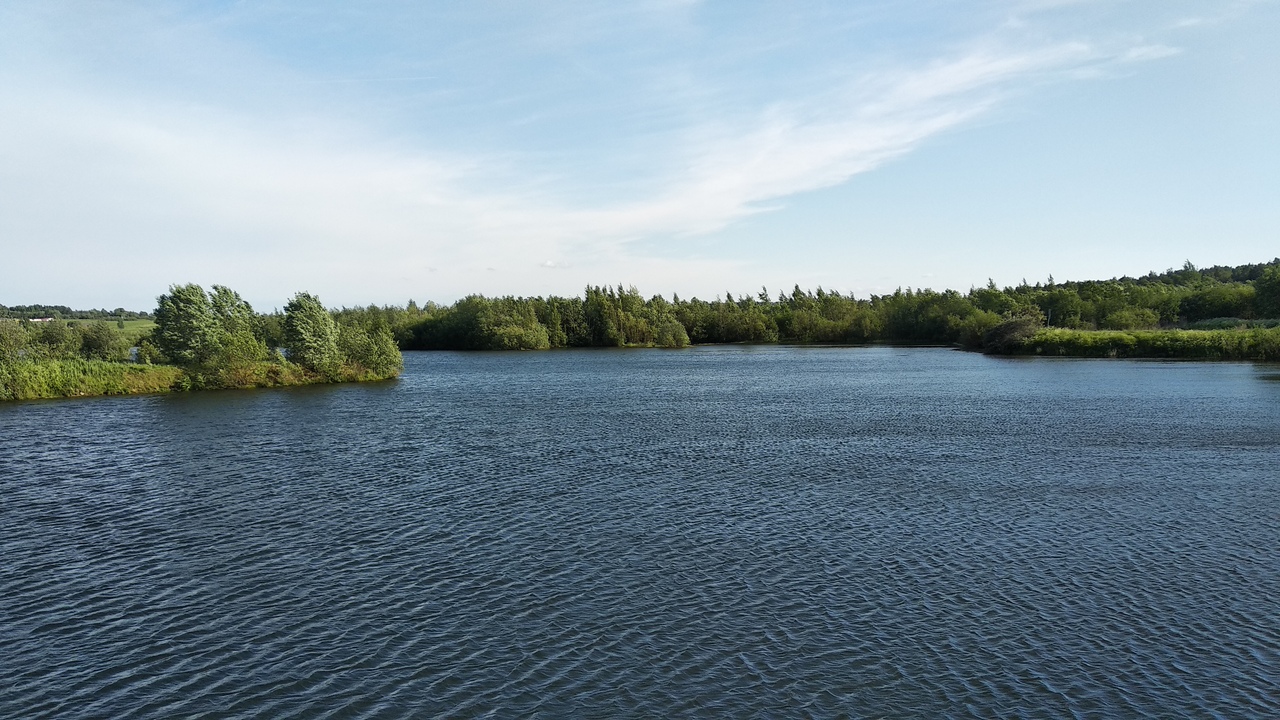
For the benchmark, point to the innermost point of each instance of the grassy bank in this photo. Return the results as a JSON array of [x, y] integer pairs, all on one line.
[[33, 380], [1233, 344], [29, 380]]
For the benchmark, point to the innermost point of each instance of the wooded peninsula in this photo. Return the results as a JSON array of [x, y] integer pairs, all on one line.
[[193, 341], [206, 340]]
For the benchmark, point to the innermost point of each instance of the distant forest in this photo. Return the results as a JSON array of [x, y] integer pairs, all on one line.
[[989, 318], [62, 312], [1070, 318]]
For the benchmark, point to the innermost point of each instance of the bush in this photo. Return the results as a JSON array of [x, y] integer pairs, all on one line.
[[100, 341], [671, 334], [14, 339], [55, 340], [1131, 319], [1011, 335], [972, 330], [372, 351]]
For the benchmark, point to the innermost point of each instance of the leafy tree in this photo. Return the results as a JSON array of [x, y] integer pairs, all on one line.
[[671, 334], [239, 335], [56, 340], [311, 335], [100, 341], [1267, 292], [373, 349], [1234, 300], [187, 331], [14, 339], [1061, 307], [232, 312], [601, 312]]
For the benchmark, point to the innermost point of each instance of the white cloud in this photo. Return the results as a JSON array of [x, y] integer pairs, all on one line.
[[275, 202], [1143, 53]]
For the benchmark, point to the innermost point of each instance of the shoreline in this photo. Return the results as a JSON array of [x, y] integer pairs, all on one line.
[[78, 378], [68, 379]]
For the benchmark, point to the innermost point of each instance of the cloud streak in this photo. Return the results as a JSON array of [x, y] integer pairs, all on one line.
[[315, 203]]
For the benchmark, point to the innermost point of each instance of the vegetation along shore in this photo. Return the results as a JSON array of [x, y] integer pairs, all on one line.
[[1213, 313], [204, 340]]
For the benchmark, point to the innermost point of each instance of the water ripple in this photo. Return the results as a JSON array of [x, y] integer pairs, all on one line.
[[737, 532]]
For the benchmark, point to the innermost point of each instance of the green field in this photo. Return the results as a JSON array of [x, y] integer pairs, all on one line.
[[133, 329]]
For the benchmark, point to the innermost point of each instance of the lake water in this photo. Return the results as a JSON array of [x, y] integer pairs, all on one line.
[[732, 532]]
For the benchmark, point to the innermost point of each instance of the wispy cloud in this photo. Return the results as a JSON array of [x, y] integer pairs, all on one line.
[[730, 170], [323, 202], [1143, 53]]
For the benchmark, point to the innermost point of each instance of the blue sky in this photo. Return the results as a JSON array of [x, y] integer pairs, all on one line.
[[374, 152]]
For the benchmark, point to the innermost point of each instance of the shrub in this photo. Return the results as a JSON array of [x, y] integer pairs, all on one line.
[[100, 341], [1131, 319], [14, 339], [671, 334], [372, 351], [1011, 335]]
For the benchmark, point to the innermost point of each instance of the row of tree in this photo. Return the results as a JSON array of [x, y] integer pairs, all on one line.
[[217, 336], [61, 340], [210, 334], [606, 316], [219, 340], [62, 312]]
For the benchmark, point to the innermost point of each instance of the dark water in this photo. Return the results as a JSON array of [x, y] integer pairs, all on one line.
[[730, 532]]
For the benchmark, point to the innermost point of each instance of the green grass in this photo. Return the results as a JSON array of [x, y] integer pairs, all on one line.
[[32, 380], [133, 329], [28, 380], [1234, 344]]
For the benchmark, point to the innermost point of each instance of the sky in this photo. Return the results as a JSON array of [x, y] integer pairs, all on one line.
[[375, 152]]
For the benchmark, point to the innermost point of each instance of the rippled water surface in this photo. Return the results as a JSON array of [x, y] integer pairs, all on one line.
[[736, 532]]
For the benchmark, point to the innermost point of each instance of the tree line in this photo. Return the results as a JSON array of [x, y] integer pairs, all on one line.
[[220, 340], [989, 318], [62, 312]]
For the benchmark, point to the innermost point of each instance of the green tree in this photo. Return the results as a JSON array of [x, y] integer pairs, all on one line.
[[14, 339], [100, 341], [187, 331], [373, 349], [240, 341], [671, 334], [1267, 293], [1131, 319], [311, 335], [231, 310], [56, 340]]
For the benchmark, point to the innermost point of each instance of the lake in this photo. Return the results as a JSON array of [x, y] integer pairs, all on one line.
[[719, 531]]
